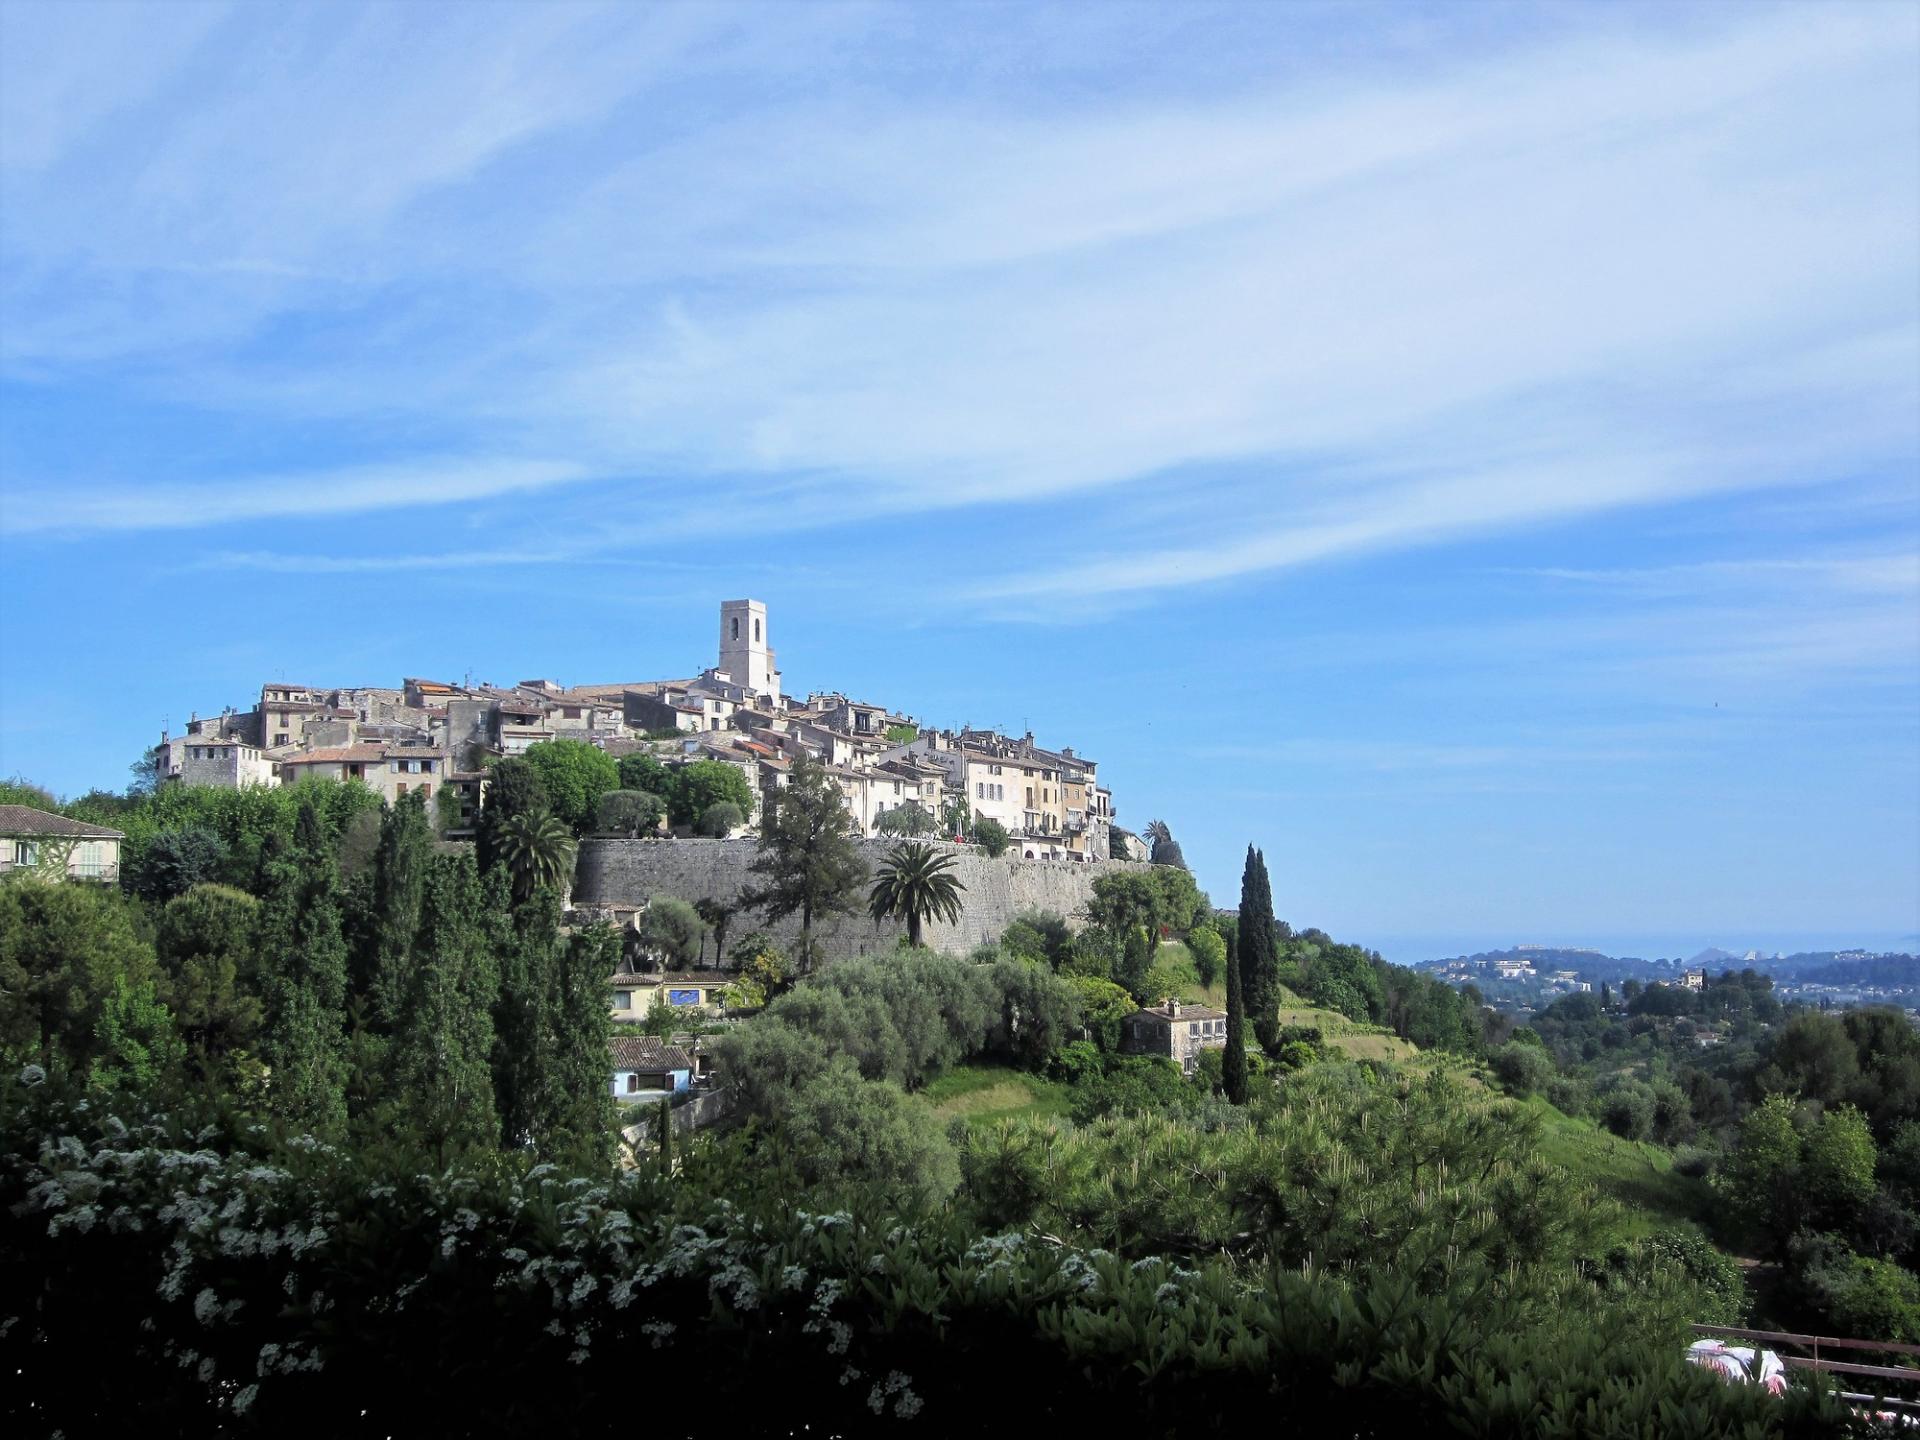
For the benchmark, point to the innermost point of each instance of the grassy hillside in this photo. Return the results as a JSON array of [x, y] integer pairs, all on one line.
[[988, 1094]]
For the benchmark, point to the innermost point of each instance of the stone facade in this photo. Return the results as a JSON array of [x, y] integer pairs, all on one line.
[[631, 872]]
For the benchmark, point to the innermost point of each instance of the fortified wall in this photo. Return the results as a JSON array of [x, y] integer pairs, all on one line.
[[631, 872]]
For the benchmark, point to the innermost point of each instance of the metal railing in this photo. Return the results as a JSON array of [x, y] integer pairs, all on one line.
[[1813, 1360]]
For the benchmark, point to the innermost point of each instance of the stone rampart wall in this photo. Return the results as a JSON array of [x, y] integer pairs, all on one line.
[[631, 872]]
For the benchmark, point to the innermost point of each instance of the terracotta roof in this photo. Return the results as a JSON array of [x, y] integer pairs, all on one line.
[[341, 755], [673, 977], [648, 1052], [25, 820]]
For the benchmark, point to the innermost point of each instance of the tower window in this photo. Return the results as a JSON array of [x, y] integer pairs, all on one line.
[[736, 627], [756, 632]]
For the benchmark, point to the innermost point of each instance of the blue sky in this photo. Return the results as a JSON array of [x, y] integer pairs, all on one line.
[[1471, 451]]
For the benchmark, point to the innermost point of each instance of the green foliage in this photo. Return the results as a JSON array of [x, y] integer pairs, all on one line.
[[807, 862], [910, 819], [916, 884], [1855, 1294], [240, 823], [671, 931], [903, 734], [173, 862], [1233, 1063], [1209, 951], [1038, 938], [1837, 1162], [1522, 1069], [1258, 958], [1103, 1006], [629, 813], [1163, 848], [644, 772], [574, 775], [1626, 1108], [843, 1129], [762, 971], [205, 948], [537, 851], [514, 788], [302, 960], [68, 954], [700, 785], [138, 1045], [719, 820], [1759, 1180], [990, 835], [18, 790]]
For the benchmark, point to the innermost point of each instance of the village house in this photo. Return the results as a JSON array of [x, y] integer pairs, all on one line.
[[1175, 1032], [40, 842], [214, 759], [645, 1067], [390, 771], [634, 992]]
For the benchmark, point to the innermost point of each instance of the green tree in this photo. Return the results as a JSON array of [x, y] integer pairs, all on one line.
[[523, 1019], [537, 850], [990, 835], [443, 1036], [301, 958], [630, 813], [672, 932], [1209, 951], [1259, 961], [843, 1129], [576, 1113], [1837, 1163], [807, 862], [642, 771], [66, 951], [1760, 1179], [914, 885], [138, 1046], [762, 970], [702, 784], [400, 864], [1163, 848], [718, 915], [1233, 1069], [910, 819], [575, 775], [205, 947], [514, 788], [955, 816], [719, 820], [173, 862]]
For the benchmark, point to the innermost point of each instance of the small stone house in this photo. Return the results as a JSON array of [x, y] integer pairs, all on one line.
[[1175, 1032], [40, 842], [645, 1067]]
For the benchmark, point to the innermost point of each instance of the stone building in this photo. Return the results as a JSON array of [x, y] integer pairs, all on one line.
[[1174, 1031]]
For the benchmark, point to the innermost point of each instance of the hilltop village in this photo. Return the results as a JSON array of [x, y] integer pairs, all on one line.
[[438, 738]]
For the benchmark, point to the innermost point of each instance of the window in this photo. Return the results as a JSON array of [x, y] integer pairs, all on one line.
[[281, 738], [572, 712], [1029, 797], [633, 1083], [401, 788], [736, 627], [425, 790], [756, 631], [623, 1000], [1193, 1027]]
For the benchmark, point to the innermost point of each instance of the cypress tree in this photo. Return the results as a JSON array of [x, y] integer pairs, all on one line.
[[1259, 965], [1233, 1072], [443, 1038], [302, 962], [663, 1137]]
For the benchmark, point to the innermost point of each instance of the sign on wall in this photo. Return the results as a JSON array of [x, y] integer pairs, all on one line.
[[683, 997]]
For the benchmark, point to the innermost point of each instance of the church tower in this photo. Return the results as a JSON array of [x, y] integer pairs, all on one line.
[[745, 657]]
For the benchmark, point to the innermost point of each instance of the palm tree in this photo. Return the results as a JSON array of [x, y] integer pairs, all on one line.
[[718, 914], [913, 885], [1165, 849], [537, 848]]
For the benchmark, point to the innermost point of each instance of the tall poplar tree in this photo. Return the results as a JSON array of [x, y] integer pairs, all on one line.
[[1259, 962], [399, 881], [523, 1040], [576, 1114], [442, 1053], [1233, 1069], [301, 958]]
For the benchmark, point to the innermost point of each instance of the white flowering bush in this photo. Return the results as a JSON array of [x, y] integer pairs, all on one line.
[[213, 1276]]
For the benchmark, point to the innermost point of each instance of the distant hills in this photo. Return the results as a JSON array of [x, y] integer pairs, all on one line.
[[1810, 967]]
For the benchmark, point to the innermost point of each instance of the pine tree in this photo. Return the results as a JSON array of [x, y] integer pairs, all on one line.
[[443, 1033], [1233, 1070], [1259, 964], [807, 859], [302, 962]]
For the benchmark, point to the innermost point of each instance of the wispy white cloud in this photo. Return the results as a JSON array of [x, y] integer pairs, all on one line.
[[349, 491]]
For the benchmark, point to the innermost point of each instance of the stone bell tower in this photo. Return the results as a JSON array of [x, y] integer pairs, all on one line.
[[745, 657]]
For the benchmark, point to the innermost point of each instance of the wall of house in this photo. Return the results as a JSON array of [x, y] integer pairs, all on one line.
[[630, 872]]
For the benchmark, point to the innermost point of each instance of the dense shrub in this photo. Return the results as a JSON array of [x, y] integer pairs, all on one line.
[[1522, 1068], [719, 820]]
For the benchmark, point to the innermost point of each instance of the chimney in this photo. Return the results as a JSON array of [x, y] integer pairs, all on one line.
[[1173, 1009]]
